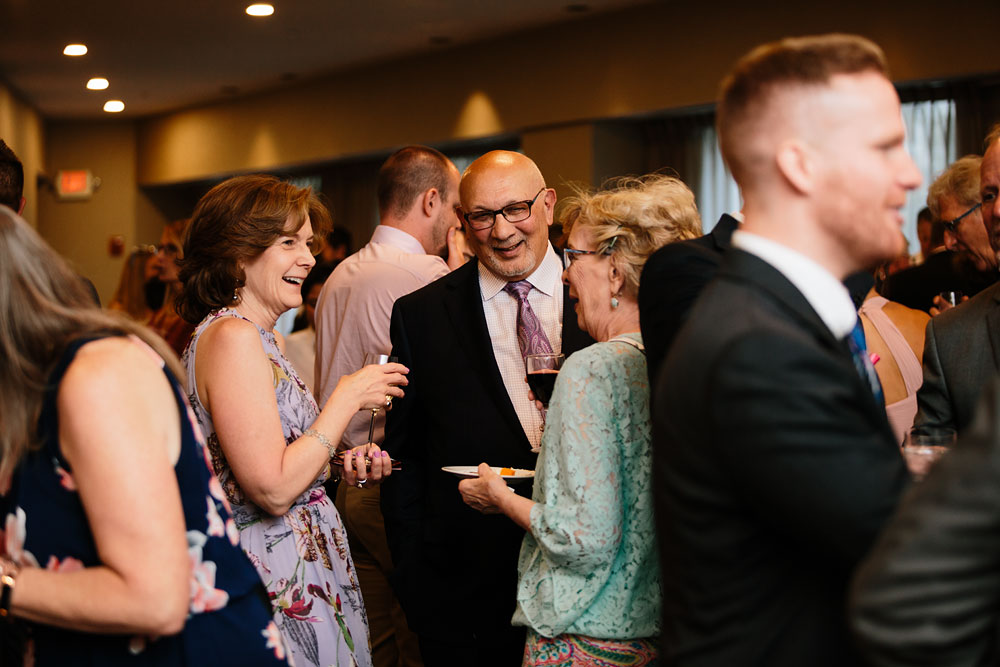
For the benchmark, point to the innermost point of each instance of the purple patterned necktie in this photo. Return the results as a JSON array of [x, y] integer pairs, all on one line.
[[531, 337]]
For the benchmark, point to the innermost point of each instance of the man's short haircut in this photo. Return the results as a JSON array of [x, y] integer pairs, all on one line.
[[747, 91], [11, 178], [407, 174], [960, 180]]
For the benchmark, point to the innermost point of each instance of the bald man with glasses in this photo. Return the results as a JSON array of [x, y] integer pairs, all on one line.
[[464, 338]]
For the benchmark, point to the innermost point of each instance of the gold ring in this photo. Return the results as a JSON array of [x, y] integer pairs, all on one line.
[[388, 401]]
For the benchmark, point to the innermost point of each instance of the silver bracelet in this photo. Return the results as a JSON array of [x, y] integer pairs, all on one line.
[[323, 440]]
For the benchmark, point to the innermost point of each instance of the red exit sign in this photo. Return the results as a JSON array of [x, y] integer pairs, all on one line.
[[75, 184]]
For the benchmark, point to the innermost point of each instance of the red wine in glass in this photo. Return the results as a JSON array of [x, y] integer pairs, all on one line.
[[542, 370]]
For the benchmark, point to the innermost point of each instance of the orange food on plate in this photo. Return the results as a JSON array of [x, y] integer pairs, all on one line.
[[506, 471]]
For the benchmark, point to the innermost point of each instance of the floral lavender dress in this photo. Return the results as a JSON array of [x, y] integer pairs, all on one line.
[[302, 556]]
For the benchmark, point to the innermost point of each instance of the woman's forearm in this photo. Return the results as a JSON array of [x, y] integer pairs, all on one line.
[[517, 508], [96, 599]]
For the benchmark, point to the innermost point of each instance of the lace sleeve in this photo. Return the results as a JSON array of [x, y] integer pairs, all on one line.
[[578, 519]]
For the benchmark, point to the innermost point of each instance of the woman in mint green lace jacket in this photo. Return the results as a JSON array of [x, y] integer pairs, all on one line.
[[588, 574]]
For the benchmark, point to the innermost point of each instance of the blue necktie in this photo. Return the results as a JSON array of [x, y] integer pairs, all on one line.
[[863, 363]]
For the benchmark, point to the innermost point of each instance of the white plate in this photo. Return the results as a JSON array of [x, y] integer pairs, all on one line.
[[473, 471]]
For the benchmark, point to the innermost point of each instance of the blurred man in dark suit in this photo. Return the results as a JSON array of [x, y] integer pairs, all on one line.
[[775, 464]]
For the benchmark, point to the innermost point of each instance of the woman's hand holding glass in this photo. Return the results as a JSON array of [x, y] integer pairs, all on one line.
[[374, 385], [366, 463]]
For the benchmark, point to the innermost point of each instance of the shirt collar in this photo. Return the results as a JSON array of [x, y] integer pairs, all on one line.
[[827, 295], [544, 278], [397, 238]]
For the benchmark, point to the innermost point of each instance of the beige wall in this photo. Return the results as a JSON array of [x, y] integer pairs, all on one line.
[[549, 86], [643, 60], [81, 230], [22, 128]]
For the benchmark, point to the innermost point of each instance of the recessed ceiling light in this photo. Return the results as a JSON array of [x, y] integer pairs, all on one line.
[[114, 106], [260, 9], [97, 83], [75, 49]]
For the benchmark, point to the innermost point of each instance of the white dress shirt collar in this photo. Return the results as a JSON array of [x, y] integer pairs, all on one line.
[[544, 278], [827, 295]]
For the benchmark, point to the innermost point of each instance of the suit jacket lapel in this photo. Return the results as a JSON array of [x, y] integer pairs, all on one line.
[[722, 233], [469, 320], [744, 267]]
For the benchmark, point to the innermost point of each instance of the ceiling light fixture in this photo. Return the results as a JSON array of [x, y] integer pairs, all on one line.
[[114, 106], [97, 83], [75, 50], [260, 9]]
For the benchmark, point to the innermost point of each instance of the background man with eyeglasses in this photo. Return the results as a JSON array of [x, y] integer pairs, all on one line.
[[467, 402], [966, 263], [962, 345]]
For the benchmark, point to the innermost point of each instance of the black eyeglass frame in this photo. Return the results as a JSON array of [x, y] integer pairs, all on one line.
[[952, 225], [501, 211]]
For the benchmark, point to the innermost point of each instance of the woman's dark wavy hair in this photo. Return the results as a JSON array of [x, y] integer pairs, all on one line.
[[235, 222], [44, 306]]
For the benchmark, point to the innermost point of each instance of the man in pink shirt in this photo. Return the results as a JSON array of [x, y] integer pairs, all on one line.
[[417, 194]]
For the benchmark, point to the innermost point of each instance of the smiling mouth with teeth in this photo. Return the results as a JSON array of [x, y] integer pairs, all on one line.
[[293, 281]]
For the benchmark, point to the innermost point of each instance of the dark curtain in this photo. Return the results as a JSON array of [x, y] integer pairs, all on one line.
[[673, 144]]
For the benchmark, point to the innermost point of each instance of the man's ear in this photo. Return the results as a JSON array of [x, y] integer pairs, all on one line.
[[430, 201], [796, 163], [550, 206]]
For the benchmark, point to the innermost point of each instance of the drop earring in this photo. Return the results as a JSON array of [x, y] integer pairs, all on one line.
[[614, 302]]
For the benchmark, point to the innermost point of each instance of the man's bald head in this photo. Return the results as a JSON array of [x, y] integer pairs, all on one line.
[[498, 179]]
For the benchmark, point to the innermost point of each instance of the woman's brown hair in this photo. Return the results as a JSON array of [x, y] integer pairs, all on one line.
[[235, 222]]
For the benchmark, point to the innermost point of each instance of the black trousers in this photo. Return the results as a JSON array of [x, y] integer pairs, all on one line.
[[503, 647]]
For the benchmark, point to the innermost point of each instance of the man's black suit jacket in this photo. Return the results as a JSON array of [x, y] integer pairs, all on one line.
[[929, 591], [671, 280], [775, 468], [455, 569], [917, 286]]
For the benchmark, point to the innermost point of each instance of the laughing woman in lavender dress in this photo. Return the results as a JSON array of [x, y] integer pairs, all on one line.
[[248, 248]]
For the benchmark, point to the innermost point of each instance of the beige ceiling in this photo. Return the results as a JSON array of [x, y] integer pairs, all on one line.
[[161, 57]]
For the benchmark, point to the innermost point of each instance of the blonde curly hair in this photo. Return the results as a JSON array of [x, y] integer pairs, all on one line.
[[644, 213]]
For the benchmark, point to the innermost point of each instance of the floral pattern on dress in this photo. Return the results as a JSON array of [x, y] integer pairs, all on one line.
[[302, 556], [44, 521], [13, 536]]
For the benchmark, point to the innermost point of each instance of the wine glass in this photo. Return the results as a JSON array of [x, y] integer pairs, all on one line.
[[542, 370], [377, 358], [922, 449]]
